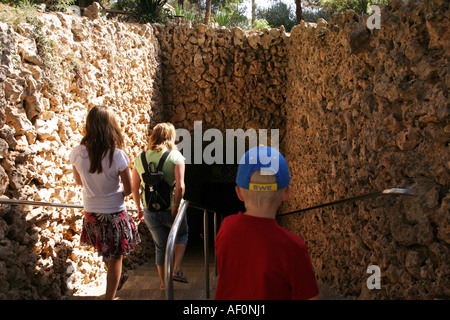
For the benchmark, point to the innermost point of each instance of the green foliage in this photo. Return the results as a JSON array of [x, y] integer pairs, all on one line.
[[359, 6], [26, 12], [223, 19], [277, 15], [227, 13], [51, 5], [188, 12], [312, 15], [16, 3], [59, 5], [22, 12], [230, 15], [260, 24], [145, 11]]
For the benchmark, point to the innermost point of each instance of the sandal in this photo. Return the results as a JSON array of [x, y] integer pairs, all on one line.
[[123, 278], [178, 276]]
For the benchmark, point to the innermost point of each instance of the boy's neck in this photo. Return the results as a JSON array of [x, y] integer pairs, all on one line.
[[261, 212]]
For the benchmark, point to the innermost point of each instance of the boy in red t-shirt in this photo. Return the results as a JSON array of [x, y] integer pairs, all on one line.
[[257, 259]]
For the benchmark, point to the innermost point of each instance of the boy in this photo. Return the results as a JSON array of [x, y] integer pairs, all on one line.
[[257, 259]]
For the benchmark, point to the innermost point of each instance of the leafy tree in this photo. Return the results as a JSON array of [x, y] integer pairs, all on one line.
[[188, 13], [259, 24], [145, 11], [312, 14], [230, 15], [278, 14], [359, 6], [331, 6]]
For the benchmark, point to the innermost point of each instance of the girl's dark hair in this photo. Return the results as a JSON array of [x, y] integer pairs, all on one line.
[[102, 134]]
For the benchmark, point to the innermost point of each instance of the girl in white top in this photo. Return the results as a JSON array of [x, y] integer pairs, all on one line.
[[101, 167]]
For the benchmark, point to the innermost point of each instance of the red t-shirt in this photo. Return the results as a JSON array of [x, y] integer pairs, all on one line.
[[259, 260]]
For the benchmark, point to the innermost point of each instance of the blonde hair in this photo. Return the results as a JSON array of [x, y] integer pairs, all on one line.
[[163, 137], [259, 198]]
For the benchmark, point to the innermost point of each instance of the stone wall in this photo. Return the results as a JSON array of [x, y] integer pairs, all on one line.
[[358, 111], [225, 78], [53, 70], [369, 110]]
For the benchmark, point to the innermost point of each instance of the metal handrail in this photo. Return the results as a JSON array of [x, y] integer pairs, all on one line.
[[170, 242], [168, 260], [44, 204], [385, 192], [206, 245], [169, 257]]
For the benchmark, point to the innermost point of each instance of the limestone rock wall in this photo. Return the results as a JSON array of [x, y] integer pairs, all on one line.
[[228, 79], [369, 110], [358, 111], [53, 70]]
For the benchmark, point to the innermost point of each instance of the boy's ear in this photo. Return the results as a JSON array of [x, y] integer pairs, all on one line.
[[286, 193], [239, 193]]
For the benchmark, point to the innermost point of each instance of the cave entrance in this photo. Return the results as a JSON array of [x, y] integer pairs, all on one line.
[[211, 187]]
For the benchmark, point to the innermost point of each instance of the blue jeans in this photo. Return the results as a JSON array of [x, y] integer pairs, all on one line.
[[159, 224]]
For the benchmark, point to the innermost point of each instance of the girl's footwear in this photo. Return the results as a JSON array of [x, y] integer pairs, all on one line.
[[178, 276], [123, 278]]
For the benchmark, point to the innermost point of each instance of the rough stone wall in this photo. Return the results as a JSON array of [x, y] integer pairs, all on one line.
[[357, 111], [225, 78], [45, 97], [369, 110]]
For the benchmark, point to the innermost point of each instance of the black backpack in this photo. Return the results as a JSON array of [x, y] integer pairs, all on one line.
[[158, 192]]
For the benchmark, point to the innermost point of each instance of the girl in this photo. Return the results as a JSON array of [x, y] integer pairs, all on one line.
[[159, 223], [99, 165]]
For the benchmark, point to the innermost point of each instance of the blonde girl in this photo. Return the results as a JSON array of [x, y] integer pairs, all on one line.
[[159, 223]]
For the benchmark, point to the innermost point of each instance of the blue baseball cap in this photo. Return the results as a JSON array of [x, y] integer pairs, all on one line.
[[270, 161]]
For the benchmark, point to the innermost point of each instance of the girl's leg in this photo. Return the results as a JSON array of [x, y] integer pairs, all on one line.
[[180, 248], [161, 277], [180, 245], [159, 234], [113, 277]]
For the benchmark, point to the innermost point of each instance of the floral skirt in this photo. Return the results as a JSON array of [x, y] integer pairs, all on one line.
[[111, 234]]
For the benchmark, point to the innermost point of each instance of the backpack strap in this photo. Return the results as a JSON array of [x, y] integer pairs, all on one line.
[[160, 164], [144, 161], [162, 160]]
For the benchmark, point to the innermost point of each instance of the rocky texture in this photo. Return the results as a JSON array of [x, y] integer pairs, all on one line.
[[369, 110], [226, 78], [358, 110], [44, 103]]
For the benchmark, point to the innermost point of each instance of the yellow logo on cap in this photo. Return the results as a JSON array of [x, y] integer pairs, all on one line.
[[263, 187]]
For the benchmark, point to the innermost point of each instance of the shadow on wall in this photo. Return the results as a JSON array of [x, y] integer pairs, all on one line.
[[25, 274], [36, 264]]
